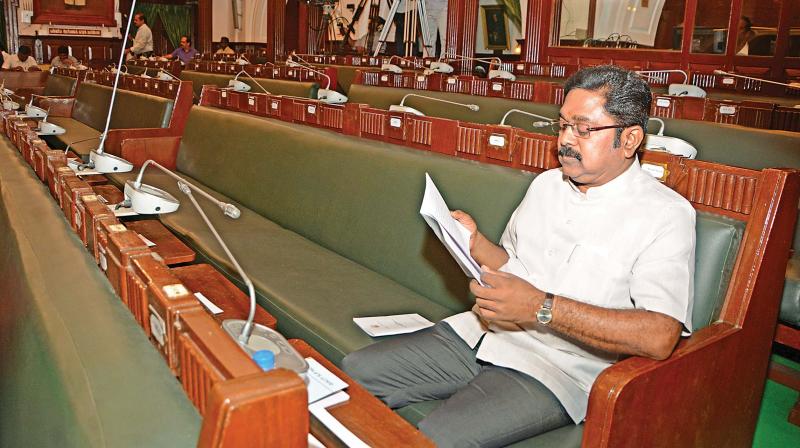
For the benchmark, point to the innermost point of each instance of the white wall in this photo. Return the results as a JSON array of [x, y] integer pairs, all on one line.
[[253, 20], [574, 16], [513, 32]]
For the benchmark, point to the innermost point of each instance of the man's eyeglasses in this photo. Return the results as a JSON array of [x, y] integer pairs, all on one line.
[[582, 130]]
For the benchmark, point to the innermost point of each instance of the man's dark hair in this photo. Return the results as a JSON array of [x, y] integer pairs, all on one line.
[[748, 24], [627, 95], [141, 16], [224, 39], [63, 50], [24, 49]]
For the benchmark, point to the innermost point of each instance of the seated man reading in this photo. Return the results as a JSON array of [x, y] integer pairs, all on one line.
[[20, 62], [63, 59], [596, 263], [184, 53]]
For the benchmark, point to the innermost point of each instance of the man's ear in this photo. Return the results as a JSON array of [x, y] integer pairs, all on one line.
[[631, 139]]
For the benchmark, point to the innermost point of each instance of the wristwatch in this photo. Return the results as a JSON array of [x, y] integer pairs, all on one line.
[[545, 313]]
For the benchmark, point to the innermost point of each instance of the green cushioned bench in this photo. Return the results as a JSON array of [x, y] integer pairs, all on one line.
[[131, 110], [330, 228], [274, 86], [76, 369], [491, 109], [58, 85]]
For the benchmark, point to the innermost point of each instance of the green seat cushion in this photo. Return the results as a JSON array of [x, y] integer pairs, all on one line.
[[77, 370], [131, 109], [274, 86], [58, 85], [790, 305], [313, 292], [76, 132], [491, 109], [718, 240]]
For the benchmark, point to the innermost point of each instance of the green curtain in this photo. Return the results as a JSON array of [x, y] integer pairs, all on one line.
[[175, 18]]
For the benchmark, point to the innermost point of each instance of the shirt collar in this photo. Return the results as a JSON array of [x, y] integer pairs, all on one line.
[[615, 186]]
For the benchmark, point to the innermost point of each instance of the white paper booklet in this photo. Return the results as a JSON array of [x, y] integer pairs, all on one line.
[[321, 381], [450, 232], [389, 325]]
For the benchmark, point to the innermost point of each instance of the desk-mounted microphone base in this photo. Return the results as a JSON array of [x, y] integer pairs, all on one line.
[[107, 163], [502, 74], [148, 200], [35, 111], [265, 338], [329, 96], [406, 109], [238, 86], [671, 145], [686, 90], [47, 128]]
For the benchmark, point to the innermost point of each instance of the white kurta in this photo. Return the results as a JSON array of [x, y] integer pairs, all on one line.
[[626, 244], [11, 61]]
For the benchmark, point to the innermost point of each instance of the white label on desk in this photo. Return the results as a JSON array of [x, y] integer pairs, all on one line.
[[384, 78], [157, 327], [275, 72], [251, 101], [117, 228], [451, 80], [728, 81], [146, 241], [656, 171], [321, 382], [213, 309], [727, 110], [520, 66], [89, 197], [258, 70], [274, 105], [78, 220], [175, 290], [290, 73], [312, 109], [224, 93], [497, 87], [497, 140], [663, 102], [395, 122], [146, 85], [170, 86], [420, 78]]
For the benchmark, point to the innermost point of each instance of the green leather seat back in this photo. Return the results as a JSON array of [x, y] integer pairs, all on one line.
[[275, 86], [131, 109], [58, 85], [491, 109], [303, 179]]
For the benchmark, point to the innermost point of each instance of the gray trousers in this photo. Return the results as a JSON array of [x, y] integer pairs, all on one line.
[[485, 405]]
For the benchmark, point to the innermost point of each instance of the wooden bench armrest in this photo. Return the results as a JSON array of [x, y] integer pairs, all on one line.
[[59, 106], [645, 402], [162, 149]]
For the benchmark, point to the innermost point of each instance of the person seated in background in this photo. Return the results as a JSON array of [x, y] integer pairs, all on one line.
[[20, 62], [744, 36], [596, 264], [63, 59], [184, 52], [224, 47]]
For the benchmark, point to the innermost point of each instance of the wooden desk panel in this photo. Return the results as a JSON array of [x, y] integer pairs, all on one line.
[[203, 278], [168, 246], [364, 415], [110, 193]]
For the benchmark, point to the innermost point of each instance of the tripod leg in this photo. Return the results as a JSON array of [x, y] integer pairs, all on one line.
[[386, 26]]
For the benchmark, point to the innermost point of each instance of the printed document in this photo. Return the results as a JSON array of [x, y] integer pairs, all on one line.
[[450, 232], [389, 325]]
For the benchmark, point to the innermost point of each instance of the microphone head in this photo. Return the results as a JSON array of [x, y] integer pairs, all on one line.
[[473, 107], [231, 211], [720, 72], [542, 124]]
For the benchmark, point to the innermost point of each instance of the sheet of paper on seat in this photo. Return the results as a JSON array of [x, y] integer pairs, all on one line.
[[146, 241], [321, 381], [122, 211], [73, 164], [213, 309], [450, 232], [389, 325], [319, 410]]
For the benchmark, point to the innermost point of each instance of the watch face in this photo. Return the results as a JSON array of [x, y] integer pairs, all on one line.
[[544, 316]]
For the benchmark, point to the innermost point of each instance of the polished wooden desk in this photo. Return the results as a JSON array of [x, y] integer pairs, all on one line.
[[364, 415], [235, 304], [108, 193], [168, 246]]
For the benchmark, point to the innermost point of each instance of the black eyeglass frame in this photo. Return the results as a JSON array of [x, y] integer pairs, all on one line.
[[558, 128]]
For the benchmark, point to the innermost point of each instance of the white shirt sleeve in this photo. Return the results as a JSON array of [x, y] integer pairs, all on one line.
[[663, 276]]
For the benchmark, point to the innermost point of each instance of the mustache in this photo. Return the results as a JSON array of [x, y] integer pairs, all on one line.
[[567, 151]]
